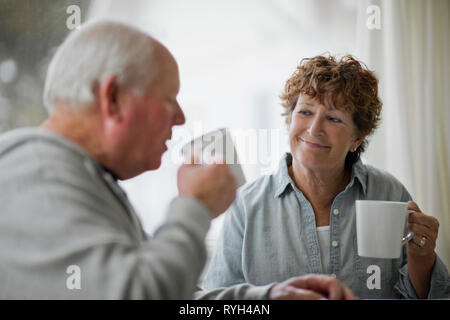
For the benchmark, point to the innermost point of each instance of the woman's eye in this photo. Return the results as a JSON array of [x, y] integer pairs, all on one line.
[[304, 112], [335, 120]]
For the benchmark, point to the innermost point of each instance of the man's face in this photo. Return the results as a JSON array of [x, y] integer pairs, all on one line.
[[148, 121]]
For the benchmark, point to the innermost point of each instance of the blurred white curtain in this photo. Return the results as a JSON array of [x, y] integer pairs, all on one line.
[[410, 51]]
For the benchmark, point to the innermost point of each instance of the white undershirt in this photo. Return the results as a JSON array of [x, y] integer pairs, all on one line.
[[323, 235]]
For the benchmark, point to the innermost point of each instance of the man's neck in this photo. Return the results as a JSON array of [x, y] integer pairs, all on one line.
[[79, 127]]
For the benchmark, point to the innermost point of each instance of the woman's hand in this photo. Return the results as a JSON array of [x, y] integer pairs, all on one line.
[[420, 249], [425, 230]]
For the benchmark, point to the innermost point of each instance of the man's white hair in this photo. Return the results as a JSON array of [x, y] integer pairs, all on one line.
[[93, 53]]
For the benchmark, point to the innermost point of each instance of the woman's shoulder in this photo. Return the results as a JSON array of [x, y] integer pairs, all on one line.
[[380, 174], [258, 188], [381, 182], [255, 198]]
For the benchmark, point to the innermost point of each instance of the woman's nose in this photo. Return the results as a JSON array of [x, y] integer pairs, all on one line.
[[316, 126]]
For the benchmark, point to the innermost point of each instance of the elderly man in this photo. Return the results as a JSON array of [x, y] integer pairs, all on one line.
[[67, 229]]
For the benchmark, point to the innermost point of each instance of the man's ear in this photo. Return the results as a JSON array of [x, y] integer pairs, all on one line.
[[108, 93]]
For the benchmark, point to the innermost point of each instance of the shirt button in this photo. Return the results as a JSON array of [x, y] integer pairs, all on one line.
[[336, 212], [333, 275], [335, 244]]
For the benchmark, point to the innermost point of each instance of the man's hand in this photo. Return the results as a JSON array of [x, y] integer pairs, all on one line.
[[311, 287], [214, 185]]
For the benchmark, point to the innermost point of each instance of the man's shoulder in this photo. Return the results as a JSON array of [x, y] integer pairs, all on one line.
[[34, 139], [34, 153], [16, 137], [43, 171]]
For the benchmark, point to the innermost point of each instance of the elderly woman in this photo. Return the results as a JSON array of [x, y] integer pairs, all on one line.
[[301, 219]]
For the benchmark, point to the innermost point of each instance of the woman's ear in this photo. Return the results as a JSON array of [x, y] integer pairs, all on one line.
[[357, 143]]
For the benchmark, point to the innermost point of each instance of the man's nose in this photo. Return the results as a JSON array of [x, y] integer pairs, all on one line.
[[179, 117]]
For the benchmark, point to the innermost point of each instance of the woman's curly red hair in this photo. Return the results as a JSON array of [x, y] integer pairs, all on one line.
[[342, 84]]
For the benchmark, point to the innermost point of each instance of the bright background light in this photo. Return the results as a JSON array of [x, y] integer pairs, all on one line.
[[234, 58]]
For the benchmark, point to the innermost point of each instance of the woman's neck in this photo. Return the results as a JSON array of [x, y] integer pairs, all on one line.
[[319, 186]]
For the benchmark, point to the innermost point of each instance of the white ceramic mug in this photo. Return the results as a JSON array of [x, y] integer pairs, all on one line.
[[212, 146], [380, 228]]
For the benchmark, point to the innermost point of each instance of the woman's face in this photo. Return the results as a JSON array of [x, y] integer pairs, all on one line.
[[321, 137]]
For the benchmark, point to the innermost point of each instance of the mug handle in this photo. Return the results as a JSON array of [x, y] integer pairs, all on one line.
[[410, 234]]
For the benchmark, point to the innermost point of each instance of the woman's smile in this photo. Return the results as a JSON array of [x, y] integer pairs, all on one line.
[[313, 145]]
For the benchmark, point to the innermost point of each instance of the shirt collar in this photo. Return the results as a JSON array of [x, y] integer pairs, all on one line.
[[359, 172], [113, 175], [283, 179]]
